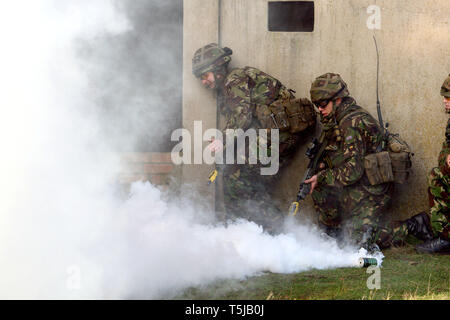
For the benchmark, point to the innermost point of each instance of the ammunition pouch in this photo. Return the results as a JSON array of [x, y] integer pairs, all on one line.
[[279, 116], [401, 166], [400, 154], [292, 115], [378, 168], [393, 165]]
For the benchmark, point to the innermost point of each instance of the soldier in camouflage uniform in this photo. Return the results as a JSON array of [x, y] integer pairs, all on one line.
[[348, 205], [439, 190], [242, 93]]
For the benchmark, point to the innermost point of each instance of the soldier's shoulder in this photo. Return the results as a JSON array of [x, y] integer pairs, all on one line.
[[236, 72], [252, 71], [355, 116], [245, 72], [360, 119], [235, 75], [365, 118]]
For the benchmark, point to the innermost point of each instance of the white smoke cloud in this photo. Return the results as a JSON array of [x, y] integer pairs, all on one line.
[[64, 232]]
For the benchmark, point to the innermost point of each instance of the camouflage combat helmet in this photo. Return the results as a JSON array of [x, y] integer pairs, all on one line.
[[445, 89], [327, 87], [210, 58]]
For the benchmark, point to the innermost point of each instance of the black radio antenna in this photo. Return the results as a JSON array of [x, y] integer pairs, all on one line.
[[380, 117]]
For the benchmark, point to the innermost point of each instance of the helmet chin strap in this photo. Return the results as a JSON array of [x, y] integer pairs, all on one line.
[[333, 111], [219, 76], [332, 115], [335, 105]]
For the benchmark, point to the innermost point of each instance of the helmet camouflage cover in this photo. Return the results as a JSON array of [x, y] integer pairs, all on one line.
[[445, 89], [328, 86], [209, 58]]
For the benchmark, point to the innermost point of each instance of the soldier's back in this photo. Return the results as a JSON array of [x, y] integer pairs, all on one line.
[[253, 85]]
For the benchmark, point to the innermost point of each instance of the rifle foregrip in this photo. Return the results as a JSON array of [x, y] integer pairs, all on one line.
[[304, 190]]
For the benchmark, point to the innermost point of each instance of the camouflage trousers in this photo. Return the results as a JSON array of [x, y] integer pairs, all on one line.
[[246, 196], [439, 197], [247, 192], [357, 214]]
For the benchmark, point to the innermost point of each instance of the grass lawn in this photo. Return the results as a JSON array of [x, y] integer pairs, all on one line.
[[404, 275]]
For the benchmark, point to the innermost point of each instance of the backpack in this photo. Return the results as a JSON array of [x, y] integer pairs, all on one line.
[[390, 165]]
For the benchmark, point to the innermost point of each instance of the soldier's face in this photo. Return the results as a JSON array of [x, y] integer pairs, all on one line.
[[447, 104], [327, 109], [208, 80]]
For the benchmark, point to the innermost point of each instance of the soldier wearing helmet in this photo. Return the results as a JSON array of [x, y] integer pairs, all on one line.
[[348, 204], [244, 95], [438, 190], [210, 63]]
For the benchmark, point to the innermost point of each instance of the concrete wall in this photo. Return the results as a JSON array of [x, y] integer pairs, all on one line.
[[414, 61], [200, 26]]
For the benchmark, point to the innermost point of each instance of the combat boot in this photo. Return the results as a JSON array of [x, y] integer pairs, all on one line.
[[437, 245], [420, 227]]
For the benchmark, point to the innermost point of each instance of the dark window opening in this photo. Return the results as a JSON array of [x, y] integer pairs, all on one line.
[[291, 16]]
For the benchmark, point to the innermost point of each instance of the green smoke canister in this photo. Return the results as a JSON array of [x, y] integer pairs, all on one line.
[[367, 262]]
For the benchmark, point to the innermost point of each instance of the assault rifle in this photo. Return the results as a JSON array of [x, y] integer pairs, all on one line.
[[314, 151]]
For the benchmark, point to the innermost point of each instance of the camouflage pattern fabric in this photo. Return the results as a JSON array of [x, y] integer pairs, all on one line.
[[445, 151], [439, 182], [247, 196], [328, 86], [344, 197], [357, 214], [243, 90], [439, 196], [445, 88], [347, 145], [447, 135], [439, 192], [246, 192], [210, 58]]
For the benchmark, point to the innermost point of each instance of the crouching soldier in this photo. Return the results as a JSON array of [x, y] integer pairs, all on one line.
[[439, 190], [349, 205]]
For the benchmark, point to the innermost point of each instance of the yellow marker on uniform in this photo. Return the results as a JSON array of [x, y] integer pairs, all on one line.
[[212, 176], [293, 209]]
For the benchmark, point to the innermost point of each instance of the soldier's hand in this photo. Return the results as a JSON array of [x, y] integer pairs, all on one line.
[[313, 182], [448, 161], [215, 145]]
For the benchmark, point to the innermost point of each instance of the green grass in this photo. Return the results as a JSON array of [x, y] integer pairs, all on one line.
[[404, 275]]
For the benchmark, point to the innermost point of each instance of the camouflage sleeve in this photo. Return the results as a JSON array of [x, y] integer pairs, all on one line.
[[447, 133], [438, 183], [443, 159], [239, 115], [351, 167]]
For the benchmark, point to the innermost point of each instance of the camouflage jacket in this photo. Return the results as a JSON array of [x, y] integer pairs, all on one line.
[[443, 167], [447, 133], [242, 90], [349, 138]]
